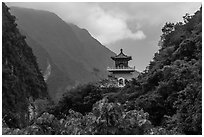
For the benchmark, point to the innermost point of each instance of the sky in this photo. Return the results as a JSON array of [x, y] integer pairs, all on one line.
[[133, 26]]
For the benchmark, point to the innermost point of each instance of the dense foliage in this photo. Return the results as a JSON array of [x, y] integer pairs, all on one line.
[[105, 118], [21, 78], [80, 99], [170, 88]]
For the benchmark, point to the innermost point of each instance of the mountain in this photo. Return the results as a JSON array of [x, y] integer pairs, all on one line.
[[91, 43], [21, 77], [67, 54]]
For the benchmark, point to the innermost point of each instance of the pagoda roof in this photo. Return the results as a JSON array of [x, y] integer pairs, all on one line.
[[121, 56]]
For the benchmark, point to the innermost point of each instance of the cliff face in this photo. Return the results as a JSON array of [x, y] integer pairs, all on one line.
[[21, 77]]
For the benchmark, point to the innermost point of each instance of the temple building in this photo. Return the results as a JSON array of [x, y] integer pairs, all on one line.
[[121, 71]]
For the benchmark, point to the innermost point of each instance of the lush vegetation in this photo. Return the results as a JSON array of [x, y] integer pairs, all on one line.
[[170, 89], [21, 78], [105, 118], [165, 99]]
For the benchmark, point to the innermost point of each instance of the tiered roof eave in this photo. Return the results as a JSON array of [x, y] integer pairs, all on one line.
[[121, 56]]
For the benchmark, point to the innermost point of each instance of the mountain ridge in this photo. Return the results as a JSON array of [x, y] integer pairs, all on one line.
[[79, 58]]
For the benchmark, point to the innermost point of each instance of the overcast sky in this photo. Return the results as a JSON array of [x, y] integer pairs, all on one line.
[[135, 27]]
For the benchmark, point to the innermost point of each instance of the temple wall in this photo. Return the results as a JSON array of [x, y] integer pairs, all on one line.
[[127, 76]]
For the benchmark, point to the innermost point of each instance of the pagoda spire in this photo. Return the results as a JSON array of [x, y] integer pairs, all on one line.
[[121, 50]]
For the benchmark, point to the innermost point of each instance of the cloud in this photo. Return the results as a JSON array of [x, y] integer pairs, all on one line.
[[111, 22], [154, 12], [107, 26]]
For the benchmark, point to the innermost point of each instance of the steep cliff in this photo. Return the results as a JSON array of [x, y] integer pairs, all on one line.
[[21, 77]]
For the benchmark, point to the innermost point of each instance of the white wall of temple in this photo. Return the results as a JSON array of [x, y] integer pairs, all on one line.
[[127, 76]]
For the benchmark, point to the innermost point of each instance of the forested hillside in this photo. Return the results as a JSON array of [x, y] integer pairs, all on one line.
[[170, 89], [21, 77], [166, 99]]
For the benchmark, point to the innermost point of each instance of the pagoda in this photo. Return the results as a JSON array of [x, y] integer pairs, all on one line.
[[121, 71]]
